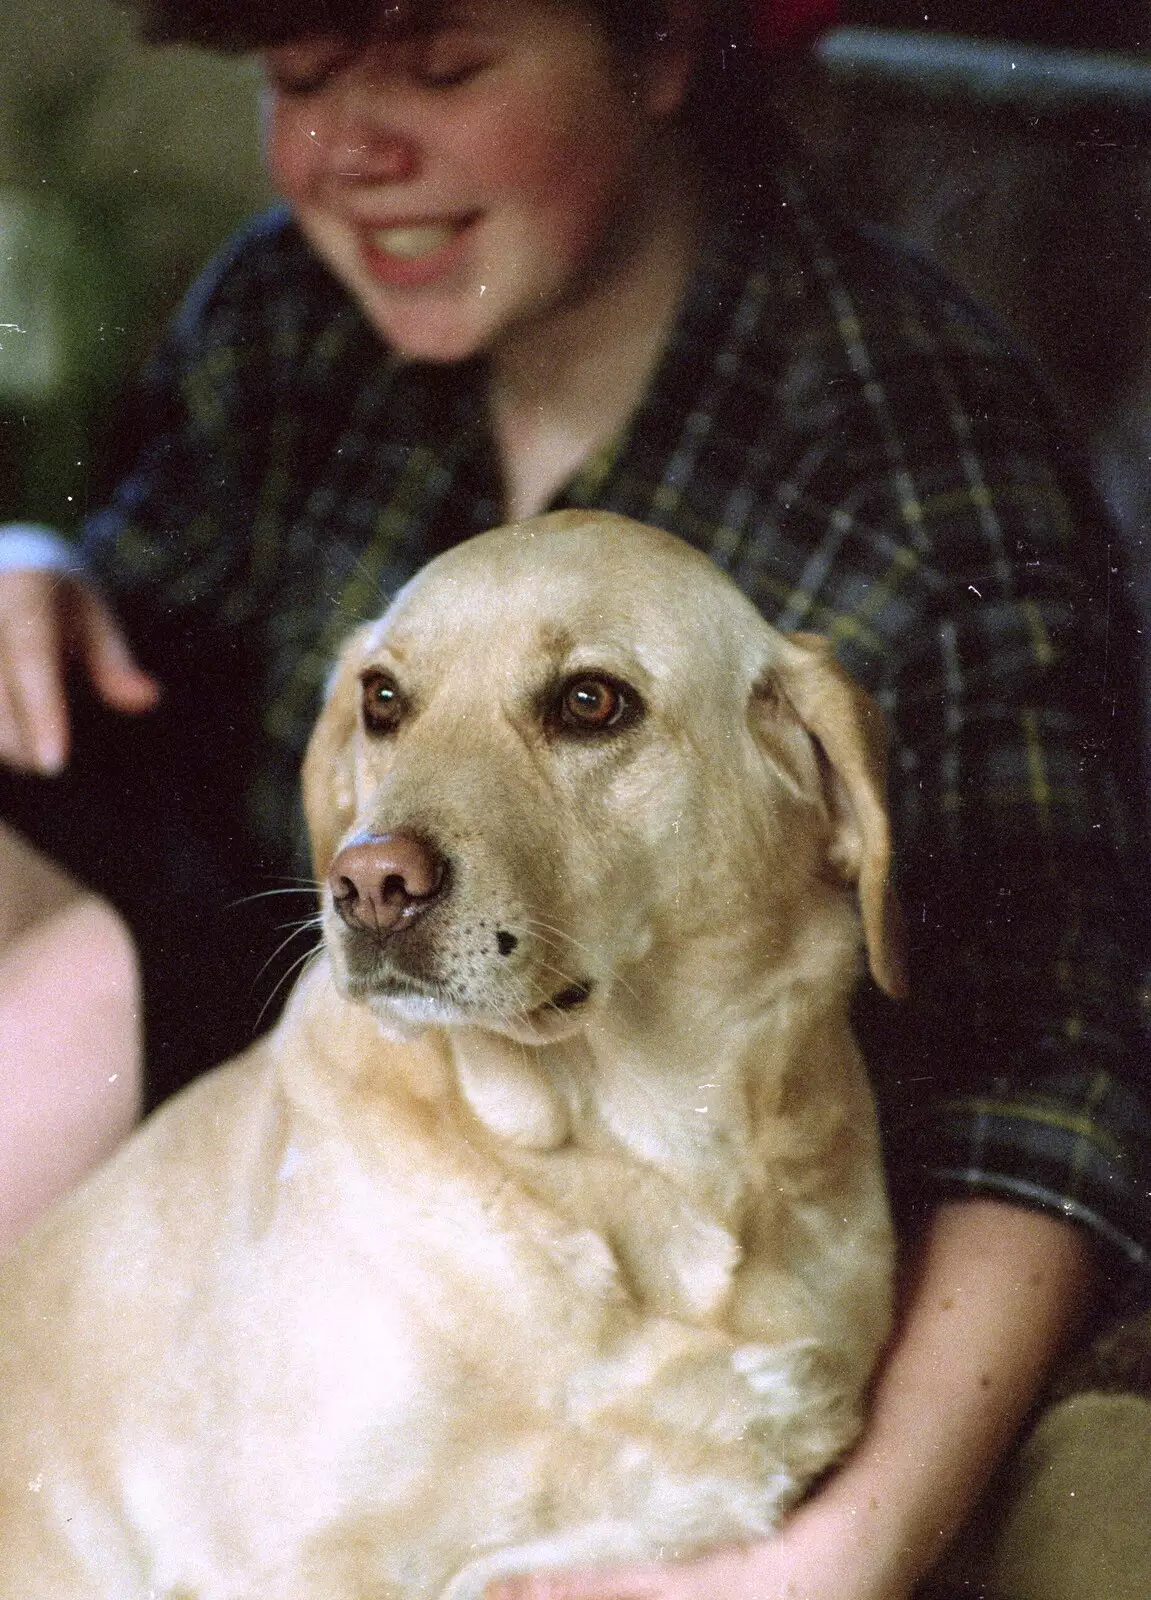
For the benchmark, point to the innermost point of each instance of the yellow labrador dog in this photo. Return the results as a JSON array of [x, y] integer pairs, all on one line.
[[548, 1225]]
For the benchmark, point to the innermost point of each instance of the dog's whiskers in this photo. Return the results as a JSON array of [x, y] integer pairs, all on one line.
[[541, 929], [298, 887], [560, 934], [521, 1015], [303, 926], [298, 965]]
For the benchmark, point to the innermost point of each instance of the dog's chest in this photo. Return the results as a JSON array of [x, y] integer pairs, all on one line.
[[515, 1251], [657, 1178], [616, 1221]]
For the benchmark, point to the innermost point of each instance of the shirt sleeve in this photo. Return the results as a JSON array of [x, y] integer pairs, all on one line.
[[215, 454], [33, 547], [213, 444], [168, 540], [1021, 1068]]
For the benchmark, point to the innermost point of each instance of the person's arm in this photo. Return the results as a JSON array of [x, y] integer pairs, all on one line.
[[995, 1292]]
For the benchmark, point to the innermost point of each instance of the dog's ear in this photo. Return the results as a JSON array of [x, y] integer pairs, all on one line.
[[329, 774], [851, 739]]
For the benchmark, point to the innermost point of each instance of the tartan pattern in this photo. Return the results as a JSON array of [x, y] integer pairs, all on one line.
[[864, 453]]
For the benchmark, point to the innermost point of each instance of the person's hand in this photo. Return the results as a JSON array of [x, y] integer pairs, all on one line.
[[818, 1554], [47, 618]]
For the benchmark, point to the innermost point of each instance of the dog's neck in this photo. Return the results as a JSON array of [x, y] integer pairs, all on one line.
[[677, 1084], [658, 1109], [694, 1044], [678, 1115]]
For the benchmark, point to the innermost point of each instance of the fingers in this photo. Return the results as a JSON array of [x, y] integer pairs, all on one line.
[[736, 1572], [99, 644], [45, 618], [33, 708]]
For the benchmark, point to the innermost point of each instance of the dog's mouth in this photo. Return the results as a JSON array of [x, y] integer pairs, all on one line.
[[433, 1000], [571, 997]]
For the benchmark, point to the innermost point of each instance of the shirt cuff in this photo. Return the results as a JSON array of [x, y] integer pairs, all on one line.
[[1081, 1150], [33, 547]]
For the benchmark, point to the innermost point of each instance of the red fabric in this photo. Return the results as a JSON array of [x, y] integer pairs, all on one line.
[[791, 24]]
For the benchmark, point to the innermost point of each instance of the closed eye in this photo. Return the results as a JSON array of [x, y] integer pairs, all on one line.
[[450, 77], [304, 69], [447, 57]]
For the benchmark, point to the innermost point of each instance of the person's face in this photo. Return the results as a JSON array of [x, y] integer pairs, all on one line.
[[468, 179]]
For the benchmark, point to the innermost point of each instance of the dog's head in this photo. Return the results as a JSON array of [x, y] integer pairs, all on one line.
[[573, 742]]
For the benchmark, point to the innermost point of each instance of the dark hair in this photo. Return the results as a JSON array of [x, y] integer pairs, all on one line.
[[239, 25]]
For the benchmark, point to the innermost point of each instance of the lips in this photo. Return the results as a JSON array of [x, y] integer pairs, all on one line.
[[409, 254]]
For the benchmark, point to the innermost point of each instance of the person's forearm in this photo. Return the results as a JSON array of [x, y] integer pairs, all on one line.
[[992, 1297]]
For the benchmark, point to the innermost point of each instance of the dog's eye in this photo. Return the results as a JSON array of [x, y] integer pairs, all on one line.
[[594, 704], [383, 704]]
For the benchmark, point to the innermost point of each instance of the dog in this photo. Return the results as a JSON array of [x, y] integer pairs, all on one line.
[[548, 1225]]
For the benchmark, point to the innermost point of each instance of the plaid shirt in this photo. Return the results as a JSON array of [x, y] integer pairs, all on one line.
[[861, 450]]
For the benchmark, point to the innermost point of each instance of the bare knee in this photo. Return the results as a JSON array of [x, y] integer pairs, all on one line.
[[70, 1041]]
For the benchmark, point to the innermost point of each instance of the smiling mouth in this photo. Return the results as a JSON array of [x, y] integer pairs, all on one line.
[[413, 243]]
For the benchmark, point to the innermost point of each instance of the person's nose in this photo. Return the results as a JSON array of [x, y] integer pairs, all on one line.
[[370, 143]]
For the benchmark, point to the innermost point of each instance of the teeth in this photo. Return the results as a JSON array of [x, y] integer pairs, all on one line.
[[411, 243]]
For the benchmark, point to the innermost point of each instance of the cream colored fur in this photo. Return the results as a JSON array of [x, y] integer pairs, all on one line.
[[431, 1287]]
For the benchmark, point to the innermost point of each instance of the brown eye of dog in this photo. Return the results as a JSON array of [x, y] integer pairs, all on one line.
[[595, 705], [383, 704]]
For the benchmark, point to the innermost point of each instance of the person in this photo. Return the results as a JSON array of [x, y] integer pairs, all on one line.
[[543, 253]]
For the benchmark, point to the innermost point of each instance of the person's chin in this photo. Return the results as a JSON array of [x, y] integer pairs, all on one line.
[[427, 332]]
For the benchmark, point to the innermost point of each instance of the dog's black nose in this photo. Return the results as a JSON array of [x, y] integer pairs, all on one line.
[[382, 881]]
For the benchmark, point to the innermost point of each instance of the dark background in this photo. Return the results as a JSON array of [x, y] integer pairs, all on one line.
[[1089, 24]]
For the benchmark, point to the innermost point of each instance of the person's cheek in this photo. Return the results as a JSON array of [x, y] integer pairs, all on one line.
[[566, 172], [292, 147]]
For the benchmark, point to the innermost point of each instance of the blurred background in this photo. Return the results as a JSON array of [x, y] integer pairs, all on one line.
[[1007, 138], [121, 168]]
